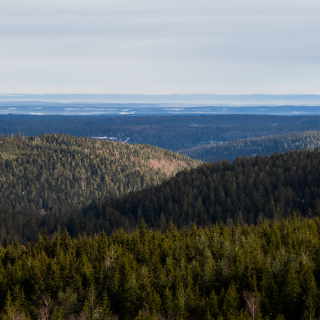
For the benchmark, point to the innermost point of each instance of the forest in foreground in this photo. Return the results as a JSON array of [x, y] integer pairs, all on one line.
[[268, 271]]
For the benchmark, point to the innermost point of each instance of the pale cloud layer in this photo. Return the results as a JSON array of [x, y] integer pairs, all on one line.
[[234, 46]]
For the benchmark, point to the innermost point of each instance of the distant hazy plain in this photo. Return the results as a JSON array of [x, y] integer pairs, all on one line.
[[76, 104]]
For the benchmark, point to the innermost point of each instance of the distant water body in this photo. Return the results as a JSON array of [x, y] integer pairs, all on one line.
[[135, 105]]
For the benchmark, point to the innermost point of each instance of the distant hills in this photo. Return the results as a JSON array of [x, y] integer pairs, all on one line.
[[229, 150], [175, 132], [58, 172]]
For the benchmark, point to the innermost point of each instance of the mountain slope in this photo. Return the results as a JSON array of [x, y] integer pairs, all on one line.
[[229, 150], [245, 191], [55, 172]]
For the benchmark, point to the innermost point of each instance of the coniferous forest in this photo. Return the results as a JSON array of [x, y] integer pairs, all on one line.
[[247, 190], [268, 271], [51, 173], [175, 240], [254, 146]]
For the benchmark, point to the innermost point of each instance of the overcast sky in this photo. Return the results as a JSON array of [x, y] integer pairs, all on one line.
[[160, 46]]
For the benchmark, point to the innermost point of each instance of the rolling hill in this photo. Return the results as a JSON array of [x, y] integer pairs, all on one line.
[[266, 145], [246, 191], [58, 172], [175, 132]]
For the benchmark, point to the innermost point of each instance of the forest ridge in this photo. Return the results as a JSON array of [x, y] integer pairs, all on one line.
[[58, 172], [247, 190]]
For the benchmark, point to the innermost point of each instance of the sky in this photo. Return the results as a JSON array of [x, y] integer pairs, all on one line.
[[160, 47]]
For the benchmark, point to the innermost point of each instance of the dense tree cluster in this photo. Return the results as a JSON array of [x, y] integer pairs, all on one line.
[[270, 271], [230, 150], [174, 132], [150, 254], [58, 172], [246, 190]]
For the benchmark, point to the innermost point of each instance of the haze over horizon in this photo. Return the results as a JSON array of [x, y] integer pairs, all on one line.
[[172, 99], [145, 47]]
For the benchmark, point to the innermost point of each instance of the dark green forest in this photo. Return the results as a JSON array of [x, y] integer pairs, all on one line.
[[244, 191], [59, 172], [269, 271], [247, 190], [168, 238], [230, 150]]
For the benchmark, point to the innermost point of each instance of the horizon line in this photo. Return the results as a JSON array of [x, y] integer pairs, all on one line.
[[10, 94]]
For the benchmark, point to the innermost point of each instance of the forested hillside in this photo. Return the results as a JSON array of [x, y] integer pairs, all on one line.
[[248, 190], [229, 150], [245, 191], [58, 172], [224, 241], [265, 272]]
